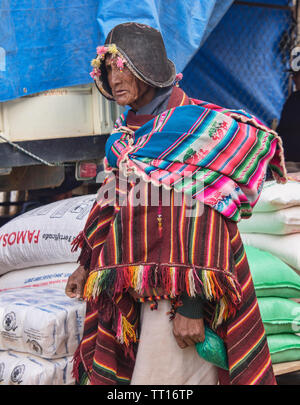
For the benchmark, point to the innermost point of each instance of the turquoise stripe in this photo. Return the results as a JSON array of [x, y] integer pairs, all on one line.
[[191, 137]]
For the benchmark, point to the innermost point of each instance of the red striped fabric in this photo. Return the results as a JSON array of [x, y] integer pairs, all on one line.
[[126, 246]]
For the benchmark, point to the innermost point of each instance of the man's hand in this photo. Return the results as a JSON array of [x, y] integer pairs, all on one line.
[[76, 282], [188, 331]]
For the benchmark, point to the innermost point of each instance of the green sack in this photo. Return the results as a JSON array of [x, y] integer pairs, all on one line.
[[271, 276], [284, 347], [279, 315], [213, 349]]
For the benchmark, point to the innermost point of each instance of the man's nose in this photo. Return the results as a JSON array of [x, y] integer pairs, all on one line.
[[116, 76]]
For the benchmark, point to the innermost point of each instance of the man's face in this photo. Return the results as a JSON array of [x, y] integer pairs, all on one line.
[[125, 87]]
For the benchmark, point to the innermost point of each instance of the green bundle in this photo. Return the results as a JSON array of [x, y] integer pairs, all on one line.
[[271, 276], [212, 349], [277, 287]]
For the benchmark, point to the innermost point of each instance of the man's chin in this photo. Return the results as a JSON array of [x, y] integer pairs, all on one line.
[[121, 96], [122, 101]]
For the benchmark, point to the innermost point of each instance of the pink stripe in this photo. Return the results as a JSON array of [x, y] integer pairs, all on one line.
[[36, 285]]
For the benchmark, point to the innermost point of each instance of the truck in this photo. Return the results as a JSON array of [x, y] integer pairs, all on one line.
[[50, 143], [41, 134]]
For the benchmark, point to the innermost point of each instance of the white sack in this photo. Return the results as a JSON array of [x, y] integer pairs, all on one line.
[[53, 276], [41, 321], [282, 222], [26, 369], [275, 196], [286, 247], [43, 236]]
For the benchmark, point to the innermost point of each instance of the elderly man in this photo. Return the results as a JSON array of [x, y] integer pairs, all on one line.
[[140, 261]]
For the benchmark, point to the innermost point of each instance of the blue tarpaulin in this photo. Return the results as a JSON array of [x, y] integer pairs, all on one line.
[[243, 63], [47, 44], [184, 24]]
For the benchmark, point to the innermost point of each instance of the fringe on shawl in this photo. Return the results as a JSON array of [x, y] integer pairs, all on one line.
[[212, 284], [76, 362], [85, 255], [125, 332]]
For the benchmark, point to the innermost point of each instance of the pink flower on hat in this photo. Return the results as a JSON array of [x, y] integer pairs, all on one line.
[[95, 73], [101, 50], [120, 63], [178, 77]]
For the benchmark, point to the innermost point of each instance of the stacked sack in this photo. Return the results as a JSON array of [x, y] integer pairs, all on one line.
[[272, 240], [40, 327], [43, 235], [277, 288], [275, 222]]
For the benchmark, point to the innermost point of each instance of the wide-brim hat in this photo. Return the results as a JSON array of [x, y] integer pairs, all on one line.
[[142, 48], [292, 71]]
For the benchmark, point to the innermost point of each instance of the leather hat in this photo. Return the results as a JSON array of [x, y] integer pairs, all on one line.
[[143, 50]]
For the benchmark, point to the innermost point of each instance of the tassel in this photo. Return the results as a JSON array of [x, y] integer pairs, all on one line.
[[139, 279], [90, 285], [187, 283], [224, 310], [154, 304], [85, 254], [99, 281], [119, 334], [215, 285], [175, 303], [160, 220], [197, 280], [191, 282], [146, 282], [173, 281], [225, 291], [121, 281], [133, 276], [76, 361], [77, 242], [206, 285], [125, 332]]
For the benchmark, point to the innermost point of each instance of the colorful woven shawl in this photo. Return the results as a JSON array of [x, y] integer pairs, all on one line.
[[219, 269], [217, 156], [108, 348]]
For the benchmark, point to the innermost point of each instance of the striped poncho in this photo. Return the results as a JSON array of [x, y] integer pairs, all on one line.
[[160, 250], [217, 156]]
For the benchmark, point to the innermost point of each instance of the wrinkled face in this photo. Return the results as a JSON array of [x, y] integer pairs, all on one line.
[[125, 87]]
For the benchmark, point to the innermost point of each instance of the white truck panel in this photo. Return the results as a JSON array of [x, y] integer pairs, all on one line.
[[59, 113]]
